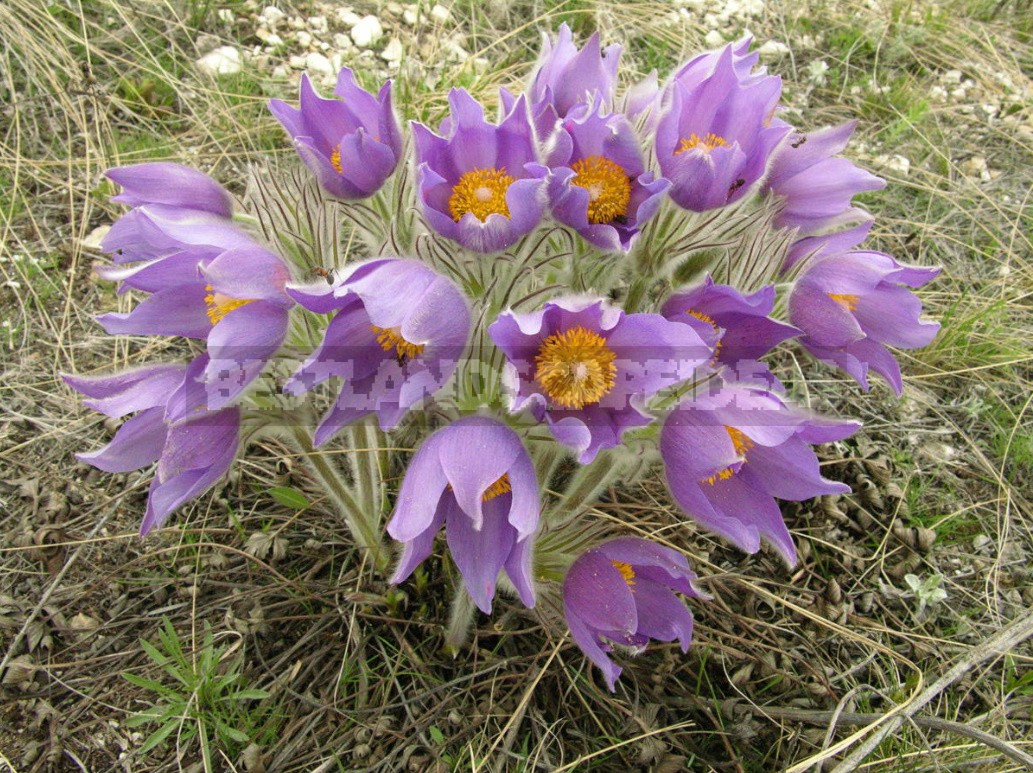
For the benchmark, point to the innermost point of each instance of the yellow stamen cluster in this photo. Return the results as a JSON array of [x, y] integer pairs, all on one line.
[[498, 488], [626, 570], [741, 443], [481, 192], [390, 339], [335, 159], [848, 302], [710, 321], [708, 143], [220, 305], [608, 186], [576, 368]]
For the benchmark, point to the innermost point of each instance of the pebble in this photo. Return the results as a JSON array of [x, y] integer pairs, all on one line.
[[342, 42], [304, 39], [319, 64], [348, 17], [392, 51], [367, 32], [773, 48], [271, 15], [224, 60], [714, 39], [440, 14]]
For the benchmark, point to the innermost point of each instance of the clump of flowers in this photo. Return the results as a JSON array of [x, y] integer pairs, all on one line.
[[580, 291]]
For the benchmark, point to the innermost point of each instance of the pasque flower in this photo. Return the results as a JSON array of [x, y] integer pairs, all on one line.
[[173, 185], [236, 302], [818, 185], [599, 185], [622, 591], [396, 338], [851, 305], [482, 186], [716, 135], [729, 453], [194, 447], [352, 143], [475, 478], [588, 368], [737, 326]]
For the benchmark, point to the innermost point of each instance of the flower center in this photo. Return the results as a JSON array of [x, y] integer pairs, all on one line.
[[576, 367], [710, 321], [626, 570], [481, 192], [335, 159], [220, 305], [390, 339], [608, 186], [708, 143], [498, 488], [848, 302], [741, 443]]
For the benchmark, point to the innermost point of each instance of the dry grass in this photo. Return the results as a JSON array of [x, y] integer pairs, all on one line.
[[787, 670]]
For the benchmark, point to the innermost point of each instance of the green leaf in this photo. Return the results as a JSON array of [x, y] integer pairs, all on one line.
[[158, 736], [289, 497], [436, 735], [147, 684], [245, 695]]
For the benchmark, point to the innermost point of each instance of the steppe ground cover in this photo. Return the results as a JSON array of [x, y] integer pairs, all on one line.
[[248, 636]]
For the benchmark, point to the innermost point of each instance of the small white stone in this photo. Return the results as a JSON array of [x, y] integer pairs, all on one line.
[[440, 14], [274, 40], [773, 48], [713, 22], [317, 63], [816, 72], [224, 60], [367, 32], [342, 42], [409, 16], [952, 76], [392, 51], [317, 23], [348, 17], [280, 73], [714, 39], [304, 39], [394, 9], [296, 23], [271, 14], [95, 237], [225, 15], [297, 62], [980, 541]]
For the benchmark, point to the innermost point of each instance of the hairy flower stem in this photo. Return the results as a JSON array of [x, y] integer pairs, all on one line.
[[364, 529], [460, 619], [366, 469], [584, 486]]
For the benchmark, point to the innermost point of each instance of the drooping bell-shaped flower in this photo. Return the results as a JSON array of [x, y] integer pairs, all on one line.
[[482, 186], [236, 302], [587, 368], [599, 185], [180, 217], [172, 185], [193, 448], [623, 591], [818, 185], [737, 326], [475, 478], [850, 306], [729, 453], [397, 335], [351, 143], [717, 132]]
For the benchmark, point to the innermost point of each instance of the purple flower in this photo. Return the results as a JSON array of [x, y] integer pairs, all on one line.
[[587, 368], [565, 78], [817, 185], [813, 248], [728, 454], [714, 140], [236, 301], [352, 143], [475, 478], [482, 186], [850, 305], [193, 448], [599, 185], [737, 326], [396, 338], [174, 185], [623, 591]]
